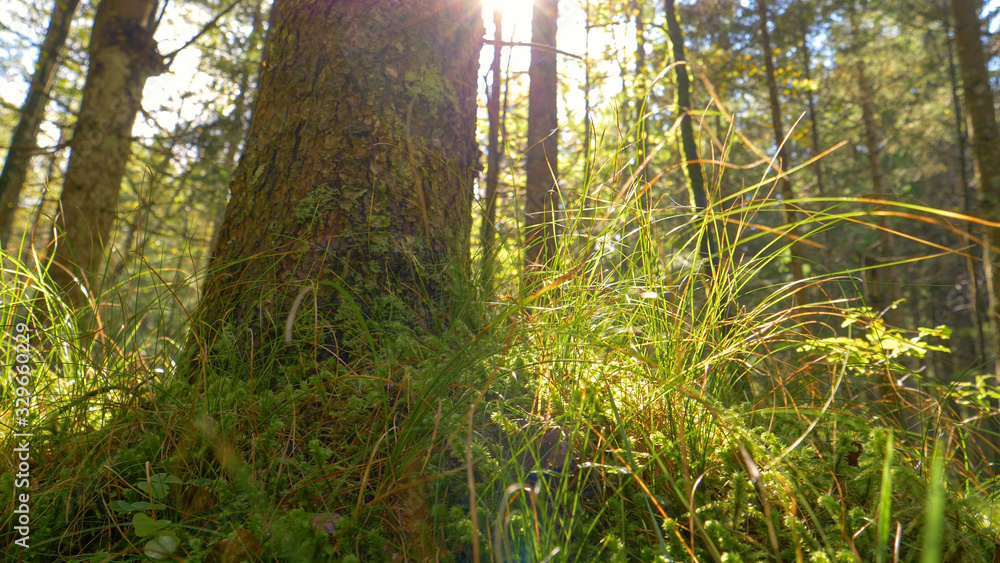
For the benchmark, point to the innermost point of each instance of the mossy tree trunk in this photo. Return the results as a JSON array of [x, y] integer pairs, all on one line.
[[356, 177], [24, 141], [542, 163], [122, 56]]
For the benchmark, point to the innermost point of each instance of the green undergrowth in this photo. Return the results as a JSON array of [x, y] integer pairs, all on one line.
[[611, 408]]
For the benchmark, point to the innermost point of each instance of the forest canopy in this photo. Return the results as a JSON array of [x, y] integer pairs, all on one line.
[[473, 280]]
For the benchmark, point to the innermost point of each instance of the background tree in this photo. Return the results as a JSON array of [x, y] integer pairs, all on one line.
[[24, 141], [542, 158], [783, 160], [122, 55], [487, 233], [688, 145], [985, 147]]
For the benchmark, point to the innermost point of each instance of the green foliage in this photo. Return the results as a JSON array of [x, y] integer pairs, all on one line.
[[880, 344], [638, 403], [296, 540]]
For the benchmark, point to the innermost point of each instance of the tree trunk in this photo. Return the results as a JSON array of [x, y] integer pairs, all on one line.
[[541, 167], [689, 147], [868, 111], [813, 115], [985, 148], [784, 163], [965, 194], [24, 141], [640, 244], [879, 283], [640, 92], [238, 121], [122, 56], [356, 177], [487, 236]]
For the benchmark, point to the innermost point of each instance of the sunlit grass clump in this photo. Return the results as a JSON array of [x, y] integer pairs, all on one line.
[[638, 401]]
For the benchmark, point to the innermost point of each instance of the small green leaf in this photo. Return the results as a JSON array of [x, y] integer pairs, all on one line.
[[146, 526], [125, 506], [121, 506], [161, 547], [158, 485]]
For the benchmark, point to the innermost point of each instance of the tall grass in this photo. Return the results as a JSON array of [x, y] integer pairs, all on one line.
[[637, 401]]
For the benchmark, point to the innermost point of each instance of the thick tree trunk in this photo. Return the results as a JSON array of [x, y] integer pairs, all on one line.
[[356, 177], [24, 141], [784, 163], [985, 147], [689, 147], [541, 167], [122, 56]]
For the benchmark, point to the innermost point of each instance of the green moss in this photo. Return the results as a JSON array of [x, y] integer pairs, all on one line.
[[295, 539], [318, 200], [428, 83]]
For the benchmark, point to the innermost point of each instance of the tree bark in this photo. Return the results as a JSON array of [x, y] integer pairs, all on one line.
[[542, 167], [356, 178], [122, 56], [985, 147], [24, 141], [689, 147], [784, 163]]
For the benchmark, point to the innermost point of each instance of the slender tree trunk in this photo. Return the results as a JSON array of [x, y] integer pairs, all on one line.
[[24, 141], [881, 290], [541, 167], [785, 183], [868, 111], [642, 241], [689, 147], [640, 92], [985, 148], [487, 235], [813, 114], [122, 56], [964, 192], [238, 120], [589, 204]]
